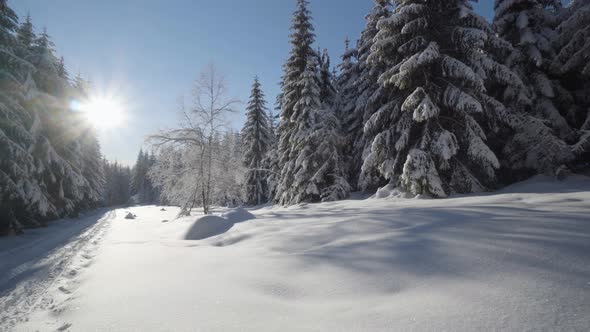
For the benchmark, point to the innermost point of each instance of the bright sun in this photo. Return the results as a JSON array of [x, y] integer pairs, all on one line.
[[103, 112]]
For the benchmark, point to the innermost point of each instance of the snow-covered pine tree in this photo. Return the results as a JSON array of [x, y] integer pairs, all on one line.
[[315, 167], [428, 135], [544, 105], [257, 140], [370, 96], [302, 39]]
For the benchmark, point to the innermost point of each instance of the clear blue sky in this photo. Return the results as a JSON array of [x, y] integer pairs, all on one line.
[[150, 51]]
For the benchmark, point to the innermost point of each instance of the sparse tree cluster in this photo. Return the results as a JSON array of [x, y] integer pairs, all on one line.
[[142, 189], [118, 184]]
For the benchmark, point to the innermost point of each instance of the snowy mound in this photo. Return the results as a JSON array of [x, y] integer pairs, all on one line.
[[238, 215], [208, 226], [388, 191]]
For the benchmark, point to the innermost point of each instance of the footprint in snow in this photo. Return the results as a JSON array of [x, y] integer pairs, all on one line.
[[64, 327], [57, 311], [64, 290]]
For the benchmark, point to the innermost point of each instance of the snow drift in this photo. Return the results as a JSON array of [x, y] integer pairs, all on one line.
[[208, 226]]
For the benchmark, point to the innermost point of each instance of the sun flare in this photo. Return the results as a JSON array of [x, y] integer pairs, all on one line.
[[103, 112]]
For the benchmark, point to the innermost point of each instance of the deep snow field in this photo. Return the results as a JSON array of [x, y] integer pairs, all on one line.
[[514, 260]]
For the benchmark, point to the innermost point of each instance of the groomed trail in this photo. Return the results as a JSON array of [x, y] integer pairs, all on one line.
[[40, 270], [513, 260]]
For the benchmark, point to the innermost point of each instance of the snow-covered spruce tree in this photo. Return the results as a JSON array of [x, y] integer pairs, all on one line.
[[25, 34], [529, 27], [257, 139], [49, 160], [61, 69], [302, 39], [59, 144], [328, 90], [47, 76], [572, 63], [573, 58], [428, 136], [85, 144], [92, 168], [54, 187], [315, 167], [66, 147], [346, 98], [271, 161], [370, 96], [21, 198], [348, 73]]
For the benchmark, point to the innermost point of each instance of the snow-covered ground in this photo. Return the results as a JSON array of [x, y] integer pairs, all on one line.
[[515, 260]]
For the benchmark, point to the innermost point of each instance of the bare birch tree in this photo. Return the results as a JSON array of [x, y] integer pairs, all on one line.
[[202, 125]]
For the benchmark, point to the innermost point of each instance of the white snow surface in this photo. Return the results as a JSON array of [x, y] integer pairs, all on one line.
[[514, 260]]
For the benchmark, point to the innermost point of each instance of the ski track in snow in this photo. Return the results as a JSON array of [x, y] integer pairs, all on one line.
[[47, 281]]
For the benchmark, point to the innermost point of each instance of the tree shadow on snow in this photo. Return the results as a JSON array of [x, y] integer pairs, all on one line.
[[448, 242]]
